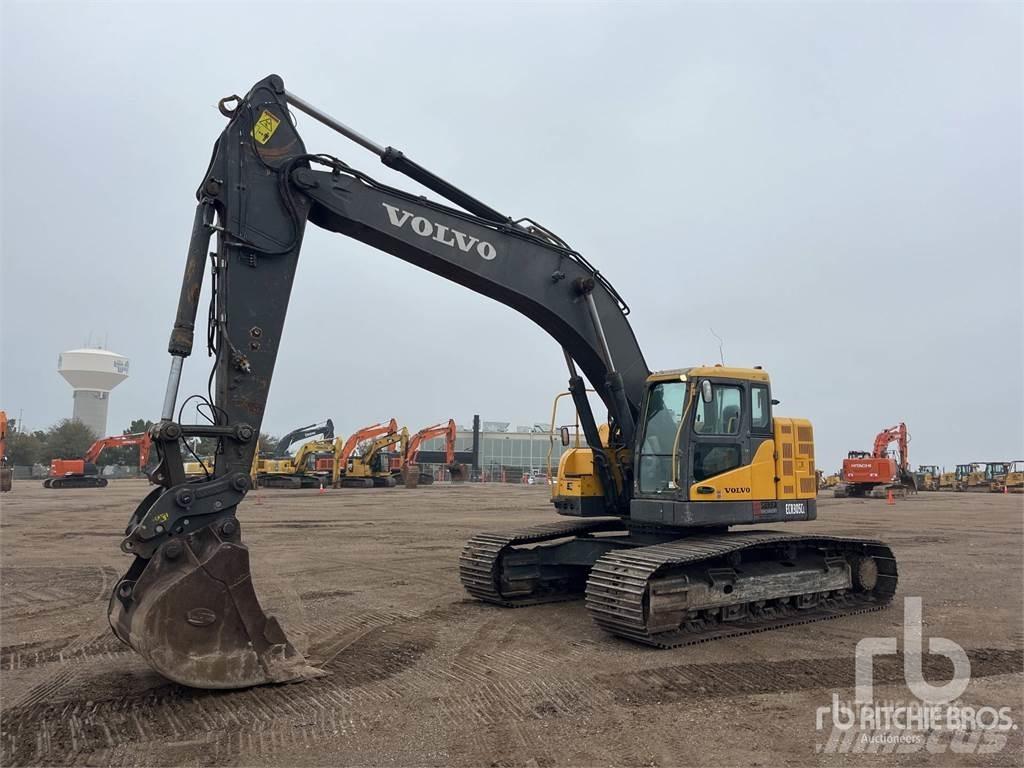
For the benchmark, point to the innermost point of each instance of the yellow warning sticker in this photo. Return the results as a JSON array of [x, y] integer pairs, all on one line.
[[265, 127]]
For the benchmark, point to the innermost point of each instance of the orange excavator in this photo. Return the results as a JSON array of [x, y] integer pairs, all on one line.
[[879, 473], [6, 473], [458, 471], [343, 451], [83, 473]]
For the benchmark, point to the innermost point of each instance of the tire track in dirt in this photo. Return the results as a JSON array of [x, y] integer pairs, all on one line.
[[682, 682], [38, 729], [29, 655], [528, 689], [95, 584], [30, 591]]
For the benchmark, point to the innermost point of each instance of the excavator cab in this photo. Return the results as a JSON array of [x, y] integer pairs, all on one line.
[[709, 449]]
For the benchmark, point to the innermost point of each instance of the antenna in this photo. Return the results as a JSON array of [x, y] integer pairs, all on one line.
[[721, 344]]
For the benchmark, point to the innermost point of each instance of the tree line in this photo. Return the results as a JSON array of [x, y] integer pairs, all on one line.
[[70, 439]]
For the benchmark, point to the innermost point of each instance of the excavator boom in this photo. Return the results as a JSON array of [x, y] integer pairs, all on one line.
[[187, 603]]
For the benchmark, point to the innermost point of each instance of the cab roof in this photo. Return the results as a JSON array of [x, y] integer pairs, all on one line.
[[711, 371]]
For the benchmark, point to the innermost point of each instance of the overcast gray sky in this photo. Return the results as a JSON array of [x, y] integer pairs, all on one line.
[[834, 188]]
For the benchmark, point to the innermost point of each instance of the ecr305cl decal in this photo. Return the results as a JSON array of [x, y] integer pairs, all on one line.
[[424, 227]]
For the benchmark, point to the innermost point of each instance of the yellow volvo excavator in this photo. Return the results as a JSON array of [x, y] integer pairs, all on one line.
[[688, 454]]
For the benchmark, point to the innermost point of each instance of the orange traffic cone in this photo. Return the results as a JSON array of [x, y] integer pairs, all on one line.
[[322, 491], [1005, 490], [890, 499]]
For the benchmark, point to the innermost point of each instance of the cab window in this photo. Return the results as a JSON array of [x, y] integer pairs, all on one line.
[[664, 408], [665, 403], [710, 459], [722, 415], [760, 408]]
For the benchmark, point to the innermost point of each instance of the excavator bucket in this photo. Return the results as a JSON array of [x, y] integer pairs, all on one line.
[[459, 472], [191, 611], [908, 480]]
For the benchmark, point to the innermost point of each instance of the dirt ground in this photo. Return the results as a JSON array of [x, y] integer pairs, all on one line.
[[421, 675]]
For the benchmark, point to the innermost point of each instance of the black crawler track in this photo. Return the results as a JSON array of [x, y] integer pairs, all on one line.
[[617, 589], [479, 563], [81, 481], [618, 585]]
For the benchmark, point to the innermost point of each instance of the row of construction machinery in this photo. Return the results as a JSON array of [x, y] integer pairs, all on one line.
[[75, 473], [882, 472], [985, 477], [376, 456]]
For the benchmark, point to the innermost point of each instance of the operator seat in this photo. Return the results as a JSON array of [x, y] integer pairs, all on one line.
[[731, 420]]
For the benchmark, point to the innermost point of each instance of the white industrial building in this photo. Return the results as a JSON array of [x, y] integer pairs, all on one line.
[[505, 452]]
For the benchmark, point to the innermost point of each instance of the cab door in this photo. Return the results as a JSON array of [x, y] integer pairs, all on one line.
[[719, 433]]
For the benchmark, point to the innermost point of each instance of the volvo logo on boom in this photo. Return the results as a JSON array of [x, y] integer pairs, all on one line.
[[439, 232]]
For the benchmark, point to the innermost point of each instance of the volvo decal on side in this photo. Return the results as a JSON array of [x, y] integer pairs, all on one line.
[[440, 233]]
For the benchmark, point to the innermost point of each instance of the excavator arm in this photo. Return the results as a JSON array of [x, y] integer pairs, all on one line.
[[427, 433], [901, 437], [142, 440], [399, 438], [187, 603], [324, 431]]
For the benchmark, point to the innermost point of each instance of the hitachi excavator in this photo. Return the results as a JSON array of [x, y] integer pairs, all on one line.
[[411, 454], [689, 453], [83, 473], [877, 474]]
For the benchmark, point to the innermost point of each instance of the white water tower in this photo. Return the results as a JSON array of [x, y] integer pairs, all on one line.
[[92, 373]]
